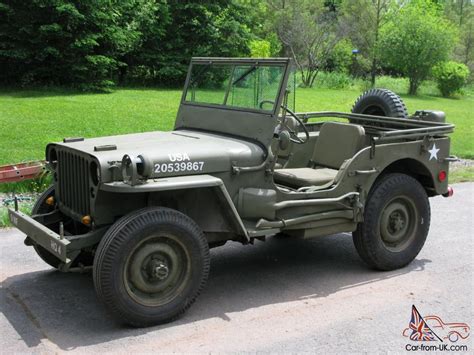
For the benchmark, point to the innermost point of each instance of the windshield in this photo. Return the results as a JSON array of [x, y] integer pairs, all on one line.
[[248, 86]]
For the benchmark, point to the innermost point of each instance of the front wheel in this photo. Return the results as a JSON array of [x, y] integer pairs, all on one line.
[[151, 265], [396, 223], [42, 207]]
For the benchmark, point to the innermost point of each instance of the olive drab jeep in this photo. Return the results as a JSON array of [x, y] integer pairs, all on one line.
[[142, 210]]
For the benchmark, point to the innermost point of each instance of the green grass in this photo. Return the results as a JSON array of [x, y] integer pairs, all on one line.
[[461, 175], [27, 186], [24, 207], [31, 119]]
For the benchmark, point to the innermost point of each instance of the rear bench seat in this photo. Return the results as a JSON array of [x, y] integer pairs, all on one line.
[[336, 143]]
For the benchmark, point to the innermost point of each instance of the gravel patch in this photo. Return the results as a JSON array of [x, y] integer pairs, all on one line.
[[461, 164]]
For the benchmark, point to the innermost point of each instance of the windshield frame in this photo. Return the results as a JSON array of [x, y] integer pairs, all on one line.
[[284, 63]]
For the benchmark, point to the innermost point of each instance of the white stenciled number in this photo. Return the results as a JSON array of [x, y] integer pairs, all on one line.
[[178, 167]]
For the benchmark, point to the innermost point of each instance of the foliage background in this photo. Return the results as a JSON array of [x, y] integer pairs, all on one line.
[[95, 44]]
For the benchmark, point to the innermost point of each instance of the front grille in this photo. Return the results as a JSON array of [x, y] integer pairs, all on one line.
[[73, 182]]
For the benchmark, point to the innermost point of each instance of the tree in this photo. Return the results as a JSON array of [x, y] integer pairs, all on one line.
[[461, 13], [92, 43], [204, 28], [465, 52], [459, 10], [416, 39], [260, 21], [66, 42], [364, 20], [174, 31], [309, 32]]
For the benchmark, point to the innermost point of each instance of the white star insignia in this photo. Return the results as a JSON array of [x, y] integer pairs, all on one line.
[[434, 152]]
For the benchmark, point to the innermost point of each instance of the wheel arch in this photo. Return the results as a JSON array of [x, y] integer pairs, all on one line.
[[204, 198], [210, 207], [413, 168]]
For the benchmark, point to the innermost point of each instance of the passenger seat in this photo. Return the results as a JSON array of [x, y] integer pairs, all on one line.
[[336, 143]]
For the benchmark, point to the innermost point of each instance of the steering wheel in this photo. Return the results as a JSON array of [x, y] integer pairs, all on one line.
[[293, 134]]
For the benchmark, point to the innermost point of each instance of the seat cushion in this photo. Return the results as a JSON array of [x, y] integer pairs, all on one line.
[[300, 177]]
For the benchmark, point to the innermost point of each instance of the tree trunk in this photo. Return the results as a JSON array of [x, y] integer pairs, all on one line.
[[315, 74], [373, 72], [461, 12], [414, 83], [303, 78], [308, 77]]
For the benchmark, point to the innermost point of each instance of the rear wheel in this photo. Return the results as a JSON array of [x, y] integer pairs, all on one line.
[[380, 102], [151, 265], [396, 223], [453, 337]]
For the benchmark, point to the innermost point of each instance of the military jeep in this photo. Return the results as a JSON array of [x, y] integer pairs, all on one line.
[[142, 210]]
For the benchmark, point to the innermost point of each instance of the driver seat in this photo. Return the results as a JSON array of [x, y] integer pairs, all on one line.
[[336, 143]]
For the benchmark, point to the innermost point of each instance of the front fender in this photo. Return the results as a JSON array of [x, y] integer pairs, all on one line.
[[164, 184], [180, 183]]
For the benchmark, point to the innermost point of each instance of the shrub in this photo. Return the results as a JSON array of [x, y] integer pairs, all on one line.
[[451, 77], [260, 49], [340, 59], [333, 80]]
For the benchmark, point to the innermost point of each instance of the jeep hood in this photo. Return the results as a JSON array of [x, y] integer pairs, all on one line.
[[175, 153]]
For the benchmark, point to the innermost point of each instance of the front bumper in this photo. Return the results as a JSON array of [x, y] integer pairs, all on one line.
[[41, 235]]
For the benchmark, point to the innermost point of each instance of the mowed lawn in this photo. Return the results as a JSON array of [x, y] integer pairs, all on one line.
[[31, 119]]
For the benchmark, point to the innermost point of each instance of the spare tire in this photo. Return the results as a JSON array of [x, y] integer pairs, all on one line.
[[380, 102]]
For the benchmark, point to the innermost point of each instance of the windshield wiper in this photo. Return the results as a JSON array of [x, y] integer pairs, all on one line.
[[244, 75]]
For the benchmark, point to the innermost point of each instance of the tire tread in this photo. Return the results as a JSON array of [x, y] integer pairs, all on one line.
[[397, 106], [117, 235], [367, 247]]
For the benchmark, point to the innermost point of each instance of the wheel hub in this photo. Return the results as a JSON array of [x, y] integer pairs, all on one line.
[[397, 222], [158, 269]]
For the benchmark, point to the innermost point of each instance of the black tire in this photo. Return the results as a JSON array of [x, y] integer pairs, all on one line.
[[380, 102], [41, 207], [396, 223], [282, 235], [151, 265]]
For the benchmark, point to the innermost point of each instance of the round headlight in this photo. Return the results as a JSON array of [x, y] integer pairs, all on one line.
[[130, 169], [52, 158], [95, 172]]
